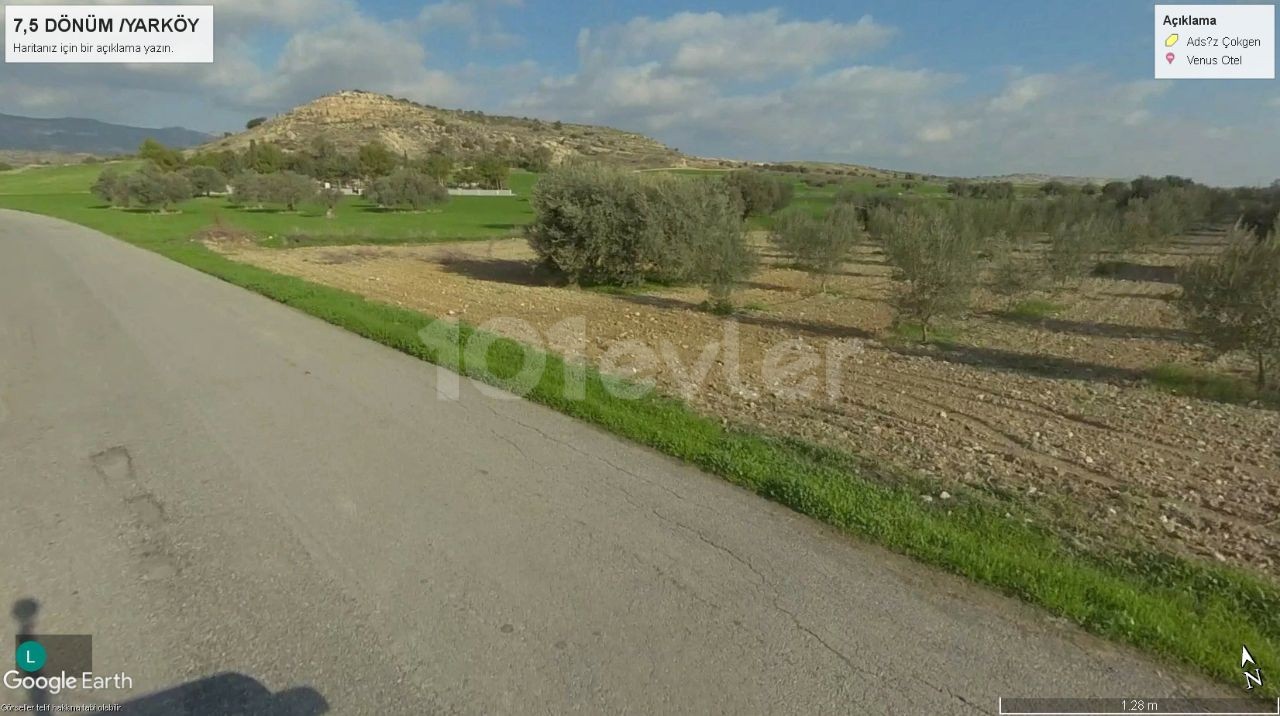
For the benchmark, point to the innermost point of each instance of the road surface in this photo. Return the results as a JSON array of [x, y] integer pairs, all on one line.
[[211, 483]]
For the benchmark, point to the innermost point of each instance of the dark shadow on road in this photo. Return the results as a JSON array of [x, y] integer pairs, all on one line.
[[24, 612], [228, 693]]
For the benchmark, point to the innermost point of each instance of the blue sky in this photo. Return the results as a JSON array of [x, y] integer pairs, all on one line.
[[967, 88]]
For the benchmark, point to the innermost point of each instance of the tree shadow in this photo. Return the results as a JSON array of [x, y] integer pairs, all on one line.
[[764, 286], [520, 273], [1150, 296], [819, 328], [860, 274], [1090, 328], [1024, 363], [1130, 271]]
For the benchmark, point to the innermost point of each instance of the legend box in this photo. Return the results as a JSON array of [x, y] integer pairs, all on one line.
[[1215, 42]]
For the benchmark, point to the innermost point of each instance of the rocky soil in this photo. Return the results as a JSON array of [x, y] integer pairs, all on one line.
[[1048, 414]]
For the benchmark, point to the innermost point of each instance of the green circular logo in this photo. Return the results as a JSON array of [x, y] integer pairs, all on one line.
[[31, 656]]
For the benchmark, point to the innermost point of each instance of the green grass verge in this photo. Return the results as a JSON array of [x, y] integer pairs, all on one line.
[[1196, 613], [1209, 385]]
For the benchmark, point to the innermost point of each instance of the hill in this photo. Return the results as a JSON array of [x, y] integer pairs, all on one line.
[[85, 136], [352, 118]]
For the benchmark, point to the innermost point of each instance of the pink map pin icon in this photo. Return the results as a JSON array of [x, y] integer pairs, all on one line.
[[1168, 57]]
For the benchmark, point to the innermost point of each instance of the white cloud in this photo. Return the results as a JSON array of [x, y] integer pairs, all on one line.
[[1022, 92], [360, 53], [331, 45], [480, 19], [750, 46]]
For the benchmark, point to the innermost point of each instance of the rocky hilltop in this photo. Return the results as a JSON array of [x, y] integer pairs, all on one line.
[[352, 118]]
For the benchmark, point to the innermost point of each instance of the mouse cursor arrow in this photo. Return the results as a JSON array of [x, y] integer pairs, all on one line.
[[1245, 656]]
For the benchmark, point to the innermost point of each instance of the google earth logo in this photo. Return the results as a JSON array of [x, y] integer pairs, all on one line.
[[30, 657]]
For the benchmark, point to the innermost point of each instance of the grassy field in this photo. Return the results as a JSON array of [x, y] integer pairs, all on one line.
[[1192, 612], [69, 179], [818, 200], [65, 191]]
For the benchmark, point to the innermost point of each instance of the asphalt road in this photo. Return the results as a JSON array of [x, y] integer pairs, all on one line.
[[211, 483]]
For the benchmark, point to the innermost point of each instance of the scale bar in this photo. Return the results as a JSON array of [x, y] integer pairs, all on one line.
[[1130, 706]]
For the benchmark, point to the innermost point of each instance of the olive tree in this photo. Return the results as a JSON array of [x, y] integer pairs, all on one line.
[[247, 189], [438, 167], [330, 197], [597, 224], [591, 224], [151, 188], [407, 189], [712, 248], [936, 262], [820, 246], [1231, 301], [112, 187], [1074, 248], [205, 180], [287, 188], [759, 193]]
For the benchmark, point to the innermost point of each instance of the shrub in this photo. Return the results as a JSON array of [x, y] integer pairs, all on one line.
[[935, 260], [6, 166], [112, 187], [287, 188], [254, 122], [330, 197], [264, 157], [491, 172], [1015, 269], [205, 179], [247, 189], [820, 246], [1260, 217], [375, 160], [438, 167], [759, 193], [407, 189], [163, 157], [151, 188], [1053, 187], [1074, 248], [1232, 301]]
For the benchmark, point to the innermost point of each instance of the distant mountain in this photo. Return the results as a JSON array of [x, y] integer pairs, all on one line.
[[351, 118], [89, 136]]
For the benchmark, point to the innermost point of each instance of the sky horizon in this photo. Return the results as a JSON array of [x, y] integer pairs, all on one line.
[[951, 88]]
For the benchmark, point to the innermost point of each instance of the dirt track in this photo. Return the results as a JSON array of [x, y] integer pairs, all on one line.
[[1049, 413]]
